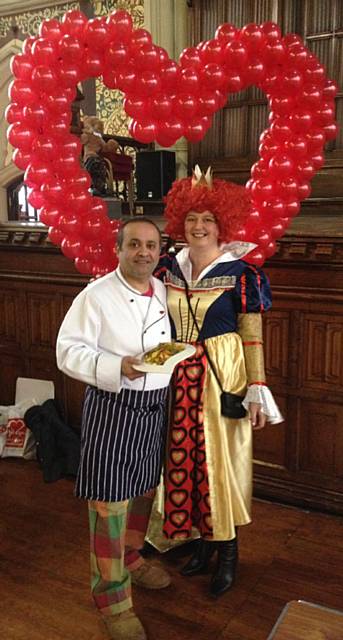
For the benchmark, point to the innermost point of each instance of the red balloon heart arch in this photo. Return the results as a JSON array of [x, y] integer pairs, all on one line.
[[165, 100]]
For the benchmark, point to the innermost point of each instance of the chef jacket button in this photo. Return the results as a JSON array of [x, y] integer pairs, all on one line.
[[163, 332], [161, 312], [132, 300]]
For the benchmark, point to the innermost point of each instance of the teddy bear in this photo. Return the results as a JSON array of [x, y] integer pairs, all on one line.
[[93, 147]]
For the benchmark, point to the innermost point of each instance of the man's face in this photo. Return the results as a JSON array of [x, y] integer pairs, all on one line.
[[140, 251]]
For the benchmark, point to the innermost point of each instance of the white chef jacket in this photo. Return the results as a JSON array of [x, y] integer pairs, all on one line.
[[108, 320]]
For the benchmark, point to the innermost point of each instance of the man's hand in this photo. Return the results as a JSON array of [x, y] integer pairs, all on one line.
[[257, 417], [128, 370]]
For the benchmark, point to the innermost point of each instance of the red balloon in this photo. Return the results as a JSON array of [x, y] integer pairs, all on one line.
[[185, 106], [235, 55], [288, 188], [98, 206], [262, 189], [273, 208], [55, 235], [305, 169], [50, 215], [253, 37], [92, 63], [296, 147], [226, 33], [74, 22], [331, 130], [304, 190], [213, 76], [20, 136], [271, 30], [143, 131], [315, 74], [96, 34], [127, 80], [330, 89], [21, 93], [43, 79], [169, 75], [55, 191], [137, 107], [195, 130], [148, 83], [148, 58], [273, 53], [71, 247], [28, 44], [189, 81], [139, 38], [120, 26], [83, 266], [44, 52], [22, 158], [116, 55], [317, 160], [70, 223], [281, 166], [109, 78], [256, 257], [37, 173], [68, 74], [190, 57], [325, 114], [234, 81], [172, 129], [50, 29], [300, 120], [21, 66], [71, 49], [14, 113], [211, 51], [36, 199], [207, 103], [282, 105], [95, 225], [292, 207], [161, 106], [255, 72], [259, 170], [315, 140]]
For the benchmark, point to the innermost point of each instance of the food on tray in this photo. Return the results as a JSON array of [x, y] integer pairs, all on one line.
[[160, 354]]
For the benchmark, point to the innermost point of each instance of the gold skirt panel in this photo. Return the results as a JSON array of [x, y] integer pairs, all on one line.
[[228, 442]]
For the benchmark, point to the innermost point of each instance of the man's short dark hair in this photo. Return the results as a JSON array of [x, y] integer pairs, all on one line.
[[120, 236]]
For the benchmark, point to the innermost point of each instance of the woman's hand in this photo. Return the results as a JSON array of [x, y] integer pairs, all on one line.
[[128, 370], [257, 417]]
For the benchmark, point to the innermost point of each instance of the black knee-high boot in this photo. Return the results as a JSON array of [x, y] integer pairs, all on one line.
[[224, 576], [198, 562]]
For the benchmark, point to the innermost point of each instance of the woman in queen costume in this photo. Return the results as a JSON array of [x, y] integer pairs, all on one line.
[[215, 301]]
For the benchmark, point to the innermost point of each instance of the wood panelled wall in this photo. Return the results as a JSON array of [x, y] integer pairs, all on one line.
[[299, 461], [231, 144]]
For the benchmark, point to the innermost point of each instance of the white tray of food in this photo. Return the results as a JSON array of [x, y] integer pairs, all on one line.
[[164, 357]]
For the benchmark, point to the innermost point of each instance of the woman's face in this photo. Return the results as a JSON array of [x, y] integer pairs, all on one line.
[[201, 229]]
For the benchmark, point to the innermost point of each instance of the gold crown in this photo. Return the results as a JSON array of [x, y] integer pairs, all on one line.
[[199, 179]]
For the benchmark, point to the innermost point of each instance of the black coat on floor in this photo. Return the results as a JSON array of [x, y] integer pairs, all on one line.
[[58, 444]]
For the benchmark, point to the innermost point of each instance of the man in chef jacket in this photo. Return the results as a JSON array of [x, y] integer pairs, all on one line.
[[111, 322]]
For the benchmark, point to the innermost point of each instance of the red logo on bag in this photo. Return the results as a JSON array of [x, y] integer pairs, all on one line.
[[16, 431]]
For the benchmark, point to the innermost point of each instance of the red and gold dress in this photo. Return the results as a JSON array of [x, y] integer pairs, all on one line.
[[208, 475]]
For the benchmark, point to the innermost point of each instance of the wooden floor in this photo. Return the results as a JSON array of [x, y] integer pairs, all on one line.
[[286, 554]]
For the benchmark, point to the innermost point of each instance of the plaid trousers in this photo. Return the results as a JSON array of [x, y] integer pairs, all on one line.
[[117, 532]]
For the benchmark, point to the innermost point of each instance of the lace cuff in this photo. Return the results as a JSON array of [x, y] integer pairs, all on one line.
[[262, 394]]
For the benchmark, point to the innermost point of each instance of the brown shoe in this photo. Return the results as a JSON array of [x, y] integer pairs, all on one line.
[[125, 626], [150, 576]]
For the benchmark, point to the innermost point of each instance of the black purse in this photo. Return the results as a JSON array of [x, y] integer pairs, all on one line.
[[230, 403]]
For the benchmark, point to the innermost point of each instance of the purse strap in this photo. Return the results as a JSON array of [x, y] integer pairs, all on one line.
[[198, 330]]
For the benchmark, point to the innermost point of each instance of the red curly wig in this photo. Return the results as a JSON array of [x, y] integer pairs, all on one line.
[[228, 202]]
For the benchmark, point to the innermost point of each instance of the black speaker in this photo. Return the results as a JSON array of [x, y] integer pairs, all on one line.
[[155, 173]]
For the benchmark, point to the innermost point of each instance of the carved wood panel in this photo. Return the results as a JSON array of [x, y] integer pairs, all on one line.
[[322, 361], [276, 334], [321, 441]]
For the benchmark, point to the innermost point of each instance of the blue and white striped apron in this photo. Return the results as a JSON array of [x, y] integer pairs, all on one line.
[[122, 443]]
